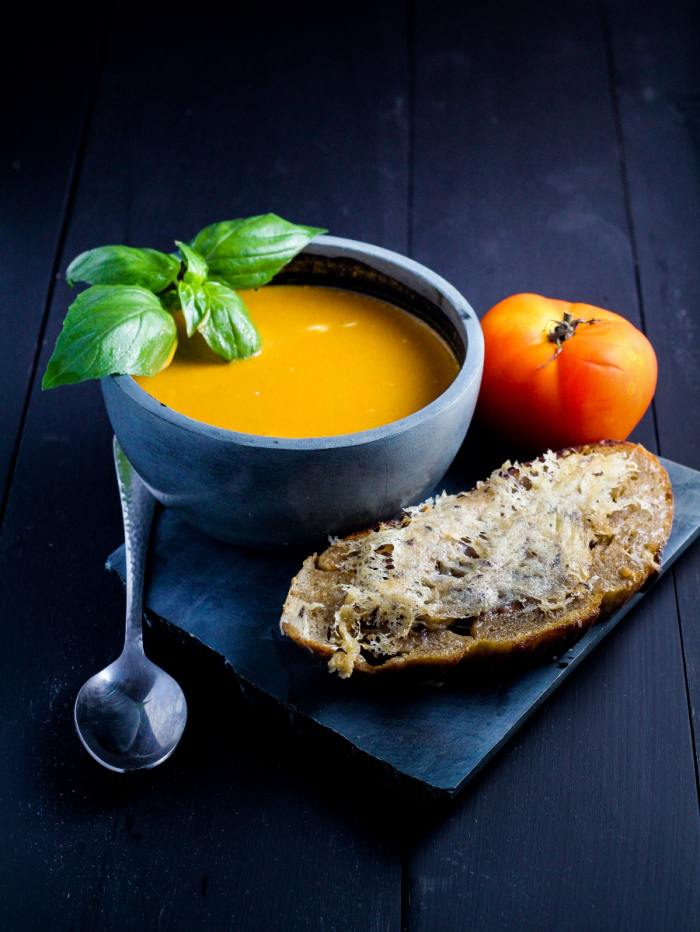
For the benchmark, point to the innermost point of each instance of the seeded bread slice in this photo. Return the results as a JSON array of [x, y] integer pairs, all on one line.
[[523, 564]]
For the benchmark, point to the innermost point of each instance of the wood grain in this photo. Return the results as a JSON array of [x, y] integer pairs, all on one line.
[[285, 111], [44, 119], [567, 829], [657, 74], [512, 146]]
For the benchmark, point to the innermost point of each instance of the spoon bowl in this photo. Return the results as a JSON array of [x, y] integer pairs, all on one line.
[[131, 715]]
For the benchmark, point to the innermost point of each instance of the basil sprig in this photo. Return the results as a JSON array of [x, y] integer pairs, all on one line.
[[123, 324]]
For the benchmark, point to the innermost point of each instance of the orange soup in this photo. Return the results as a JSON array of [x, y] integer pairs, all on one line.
[[332, 362]]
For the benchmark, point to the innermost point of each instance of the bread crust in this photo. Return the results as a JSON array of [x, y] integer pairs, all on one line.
[[318, 582]]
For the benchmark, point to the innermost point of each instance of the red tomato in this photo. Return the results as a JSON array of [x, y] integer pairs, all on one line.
[[597, 387]]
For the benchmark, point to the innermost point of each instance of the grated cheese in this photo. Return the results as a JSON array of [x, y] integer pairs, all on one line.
[[524, 537]]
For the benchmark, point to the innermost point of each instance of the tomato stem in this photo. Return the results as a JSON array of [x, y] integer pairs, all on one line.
[[563, 330]]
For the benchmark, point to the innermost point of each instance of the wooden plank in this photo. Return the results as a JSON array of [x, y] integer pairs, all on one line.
[[589, 818], [43, 119], [287, 112], [657, 75]]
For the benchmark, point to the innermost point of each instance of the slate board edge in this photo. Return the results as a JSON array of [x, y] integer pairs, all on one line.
[[595, 636], [289, 716], [392, 775]]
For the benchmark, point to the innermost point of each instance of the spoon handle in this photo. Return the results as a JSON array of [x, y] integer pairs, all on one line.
[[137, 509]]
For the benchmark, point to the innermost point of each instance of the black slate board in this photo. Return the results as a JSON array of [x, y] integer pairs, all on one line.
[[437, 734]]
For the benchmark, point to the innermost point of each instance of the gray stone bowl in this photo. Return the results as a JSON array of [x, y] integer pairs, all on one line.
[[270, 492]]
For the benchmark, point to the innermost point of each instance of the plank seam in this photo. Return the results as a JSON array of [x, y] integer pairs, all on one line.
[[411, 120], [60, 243], [620, 139], [687, 686], [410, 192], [405, 902], [63, 232], [619, 134]]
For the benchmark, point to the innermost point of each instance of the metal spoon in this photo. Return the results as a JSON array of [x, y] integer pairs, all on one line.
[[131, 715]]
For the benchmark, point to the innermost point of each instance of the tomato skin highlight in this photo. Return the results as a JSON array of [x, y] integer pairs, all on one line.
[[597, 388]]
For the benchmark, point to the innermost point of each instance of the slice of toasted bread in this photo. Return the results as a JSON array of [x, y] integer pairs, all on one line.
[[522, 564]]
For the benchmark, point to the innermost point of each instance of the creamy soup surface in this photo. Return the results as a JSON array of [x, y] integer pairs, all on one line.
[[332, 362]]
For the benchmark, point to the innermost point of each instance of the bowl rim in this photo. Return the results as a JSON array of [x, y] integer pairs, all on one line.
[[338, 246]]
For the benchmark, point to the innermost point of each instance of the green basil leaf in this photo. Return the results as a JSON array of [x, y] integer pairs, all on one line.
[[112, 329], [123, 265], [197, 269], [248, 253], [193, 300], [227, 327]]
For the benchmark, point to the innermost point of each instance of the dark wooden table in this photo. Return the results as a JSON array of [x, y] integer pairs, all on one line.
[[511, 146]]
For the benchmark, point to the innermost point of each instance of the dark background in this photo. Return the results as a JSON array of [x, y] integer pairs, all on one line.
[[511, 146]]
